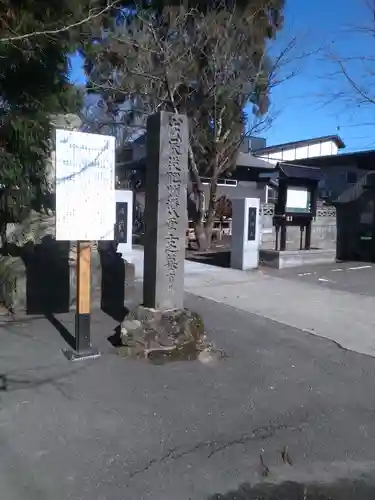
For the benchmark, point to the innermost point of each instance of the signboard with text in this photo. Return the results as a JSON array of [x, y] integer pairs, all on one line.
[[298, 200], [85, 186]]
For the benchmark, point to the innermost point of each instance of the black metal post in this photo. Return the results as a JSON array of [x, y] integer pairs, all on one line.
[[308, 236], [301, 228], [82, 333], [283, 237], [277, 227]]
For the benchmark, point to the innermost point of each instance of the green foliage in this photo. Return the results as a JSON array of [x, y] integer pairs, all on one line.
[[33, 85]]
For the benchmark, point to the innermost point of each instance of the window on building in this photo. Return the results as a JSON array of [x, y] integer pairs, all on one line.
[[271, 196], [351, 177], [221, 182]]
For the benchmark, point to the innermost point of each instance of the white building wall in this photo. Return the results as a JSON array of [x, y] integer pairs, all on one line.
[[324, 148], [302, 152], [276, 155], [289, 154], [314, 150]]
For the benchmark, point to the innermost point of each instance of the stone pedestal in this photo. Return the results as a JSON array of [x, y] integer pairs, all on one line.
[[124, 221], [245, 233], [165, 211], [295, 258]]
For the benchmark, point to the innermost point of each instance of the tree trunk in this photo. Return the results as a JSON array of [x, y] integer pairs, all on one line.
[[198, 221], [200, 236], [196, 203], [211, 211]]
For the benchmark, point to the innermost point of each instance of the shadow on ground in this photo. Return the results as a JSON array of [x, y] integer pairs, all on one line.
[[112, 282], [63, 331], [214, 258], [289, 490]]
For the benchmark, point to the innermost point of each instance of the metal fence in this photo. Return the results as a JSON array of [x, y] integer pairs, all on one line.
[[322, 210]]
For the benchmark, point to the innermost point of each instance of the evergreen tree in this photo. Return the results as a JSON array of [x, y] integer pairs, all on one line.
[[34, 84]]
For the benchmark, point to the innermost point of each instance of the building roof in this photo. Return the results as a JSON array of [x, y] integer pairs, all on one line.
[[293, 171], [249, 160], [360, 159], [315, 140], [355, 191]]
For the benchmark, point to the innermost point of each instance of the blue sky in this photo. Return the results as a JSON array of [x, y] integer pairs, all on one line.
[[300, 103], [77, 74]]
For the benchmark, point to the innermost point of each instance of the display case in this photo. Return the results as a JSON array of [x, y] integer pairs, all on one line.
[[296, 202]]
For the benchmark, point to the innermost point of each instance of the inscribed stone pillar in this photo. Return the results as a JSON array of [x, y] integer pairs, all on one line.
[[245, 233], [165, 211]]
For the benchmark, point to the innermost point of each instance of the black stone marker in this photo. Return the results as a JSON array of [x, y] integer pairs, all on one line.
[[252, 224], [121, 226]]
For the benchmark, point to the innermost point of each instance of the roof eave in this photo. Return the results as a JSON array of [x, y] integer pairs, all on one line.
[[339, 143], [252, 161], [273, 149]]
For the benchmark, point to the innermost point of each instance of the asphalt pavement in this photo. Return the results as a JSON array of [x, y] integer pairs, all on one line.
[[115, 429], [352, 277]]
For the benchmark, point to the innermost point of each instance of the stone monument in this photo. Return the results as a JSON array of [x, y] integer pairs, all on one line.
[[161, 327], [245, 233], [165, 211]]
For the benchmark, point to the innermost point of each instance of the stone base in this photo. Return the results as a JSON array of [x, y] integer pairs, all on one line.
[[171, 335], [295, 258]]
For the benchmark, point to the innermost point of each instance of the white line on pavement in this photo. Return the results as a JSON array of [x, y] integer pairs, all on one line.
[[358, 267], [337, 270]]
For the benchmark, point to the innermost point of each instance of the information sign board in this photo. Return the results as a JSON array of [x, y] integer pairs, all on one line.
[[85, 186]]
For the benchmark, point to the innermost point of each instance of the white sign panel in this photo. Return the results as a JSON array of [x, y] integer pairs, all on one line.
[[85, 186], [297, 198]]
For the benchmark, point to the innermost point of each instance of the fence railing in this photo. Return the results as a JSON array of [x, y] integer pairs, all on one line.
[[322, 211]]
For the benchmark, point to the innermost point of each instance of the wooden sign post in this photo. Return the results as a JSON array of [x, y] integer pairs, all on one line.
[[83, 347], [82, 328]]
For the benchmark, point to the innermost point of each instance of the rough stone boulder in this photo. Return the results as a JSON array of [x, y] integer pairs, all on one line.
[[12, 284], [68, 121], [166, 335], [34, 228]]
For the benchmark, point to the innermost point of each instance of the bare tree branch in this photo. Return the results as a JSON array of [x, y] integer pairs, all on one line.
[[90, 17], [351, 82]]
